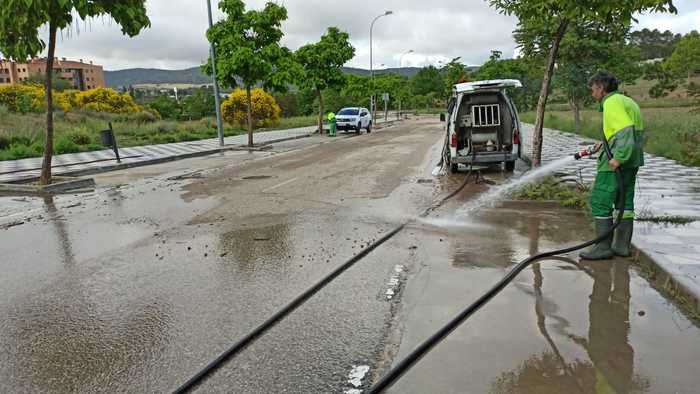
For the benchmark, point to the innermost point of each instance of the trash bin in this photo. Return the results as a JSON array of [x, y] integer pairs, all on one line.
[[107, 137]]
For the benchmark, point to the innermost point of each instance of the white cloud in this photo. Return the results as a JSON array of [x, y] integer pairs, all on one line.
[[436, 31]]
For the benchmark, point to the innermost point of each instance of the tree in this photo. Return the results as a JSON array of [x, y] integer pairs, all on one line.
[[685, 59], [320, 65], [527, 71], [428, 80], [264, 110], [198, 105], [167, 108], [20, 24], [454, 72], [249, 52], [543, 24], [585, 49], [654, 44]]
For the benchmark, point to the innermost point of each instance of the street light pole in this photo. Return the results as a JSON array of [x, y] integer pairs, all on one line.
[[401, 65], [373, 103], [217, 98]]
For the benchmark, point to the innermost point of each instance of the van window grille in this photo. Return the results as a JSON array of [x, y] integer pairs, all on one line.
[[486, 115]]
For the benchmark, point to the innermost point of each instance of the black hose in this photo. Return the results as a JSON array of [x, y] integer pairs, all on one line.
[[277, 317], [404, 365]]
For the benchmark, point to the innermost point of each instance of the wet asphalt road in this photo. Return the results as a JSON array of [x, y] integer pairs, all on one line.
[[134, 287]]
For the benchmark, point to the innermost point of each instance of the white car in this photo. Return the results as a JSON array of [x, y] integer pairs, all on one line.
[[354, 118]]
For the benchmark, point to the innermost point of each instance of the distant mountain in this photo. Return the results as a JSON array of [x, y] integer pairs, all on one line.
[[194, 76], [136, 76]]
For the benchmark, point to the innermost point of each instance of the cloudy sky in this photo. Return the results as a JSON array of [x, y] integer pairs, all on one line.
[[436, 31]]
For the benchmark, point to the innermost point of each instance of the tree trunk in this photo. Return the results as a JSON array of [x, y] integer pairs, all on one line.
[[320, 111], [45, 178], [544, 93], [250, 116], [576, 108]]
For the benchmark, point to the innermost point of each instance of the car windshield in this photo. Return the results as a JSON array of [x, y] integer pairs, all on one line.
[[349, 111]]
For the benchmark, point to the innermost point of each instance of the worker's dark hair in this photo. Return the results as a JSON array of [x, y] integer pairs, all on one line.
[[605, 79]]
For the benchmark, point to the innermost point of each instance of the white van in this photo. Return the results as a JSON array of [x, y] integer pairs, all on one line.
[[483, 126]]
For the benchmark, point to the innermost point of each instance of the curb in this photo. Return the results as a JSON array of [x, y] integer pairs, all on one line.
[[65, 184], [159, 160]]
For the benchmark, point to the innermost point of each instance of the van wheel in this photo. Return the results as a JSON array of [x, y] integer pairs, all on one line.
[[454, 168], [510, 166], [369, 127]]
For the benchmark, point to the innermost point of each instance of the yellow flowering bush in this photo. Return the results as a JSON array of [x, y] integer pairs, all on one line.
[[107, 100], [266, 112]]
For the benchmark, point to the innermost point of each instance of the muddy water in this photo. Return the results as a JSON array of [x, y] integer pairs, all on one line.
[[562, 327]]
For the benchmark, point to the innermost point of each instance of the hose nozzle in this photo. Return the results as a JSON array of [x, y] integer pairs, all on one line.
[[584, 152]]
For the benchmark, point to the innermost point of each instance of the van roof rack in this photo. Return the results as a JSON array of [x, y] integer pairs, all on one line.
[[488, 84]]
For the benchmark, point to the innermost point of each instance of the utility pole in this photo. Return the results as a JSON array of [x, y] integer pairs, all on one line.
[[217, 97]]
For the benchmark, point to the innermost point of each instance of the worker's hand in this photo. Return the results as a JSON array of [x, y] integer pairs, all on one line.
[[614, 164]]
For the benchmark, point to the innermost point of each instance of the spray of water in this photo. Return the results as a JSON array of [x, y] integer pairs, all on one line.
[[498, 193]]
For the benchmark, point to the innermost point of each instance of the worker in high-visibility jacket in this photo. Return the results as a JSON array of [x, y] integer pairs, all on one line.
[[332, 124], [623, 128]]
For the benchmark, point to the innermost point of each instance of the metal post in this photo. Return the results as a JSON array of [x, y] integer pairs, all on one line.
[[217, 98]]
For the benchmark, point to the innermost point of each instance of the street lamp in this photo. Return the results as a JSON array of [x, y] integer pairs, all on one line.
[[217, 98], [371, 63]]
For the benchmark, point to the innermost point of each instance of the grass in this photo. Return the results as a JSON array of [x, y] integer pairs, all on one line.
[[22, 136], [672, 132], [553, 189]]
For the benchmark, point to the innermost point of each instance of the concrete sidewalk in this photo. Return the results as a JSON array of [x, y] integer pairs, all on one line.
[[664, 189], [104, 160]]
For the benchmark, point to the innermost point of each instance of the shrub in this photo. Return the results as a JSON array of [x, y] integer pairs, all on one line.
[[22, 98], [17, 151], [65, 145], [167, 107], [4, 141], [4, 111], [80, 137], [265, 111], [107, 100]]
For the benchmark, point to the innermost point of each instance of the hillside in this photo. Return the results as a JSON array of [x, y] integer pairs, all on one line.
[[194, 76]]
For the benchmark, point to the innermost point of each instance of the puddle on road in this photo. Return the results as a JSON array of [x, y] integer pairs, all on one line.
[[561, 327]]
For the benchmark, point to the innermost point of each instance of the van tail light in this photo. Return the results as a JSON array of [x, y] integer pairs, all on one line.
[[516, 137], [453, 141]]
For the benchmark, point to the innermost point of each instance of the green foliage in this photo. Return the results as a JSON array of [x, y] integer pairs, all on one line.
[[57, 83], [65, 145], [553, 189], [319, 64], [198, 105], [248, 49], [454, 72], [528, 71], [20, 38], [428, 80], [685, 59], [167, 108], [80, 137], [653, 44]]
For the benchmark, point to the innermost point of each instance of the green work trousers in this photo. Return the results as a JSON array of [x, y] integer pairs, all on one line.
[[604, 197]]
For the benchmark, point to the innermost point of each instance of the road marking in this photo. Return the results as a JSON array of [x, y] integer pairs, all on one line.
[[279, 185]]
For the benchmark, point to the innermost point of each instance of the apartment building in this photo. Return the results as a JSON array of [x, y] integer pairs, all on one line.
[[81, 75]]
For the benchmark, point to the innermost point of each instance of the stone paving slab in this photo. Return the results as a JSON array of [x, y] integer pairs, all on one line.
[[664, 188], [71, 163]]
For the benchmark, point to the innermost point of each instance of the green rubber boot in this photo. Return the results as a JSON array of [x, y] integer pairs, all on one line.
[[622, 246], [601, 250]]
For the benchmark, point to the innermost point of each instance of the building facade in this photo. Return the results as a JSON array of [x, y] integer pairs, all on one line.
[[81, 75]]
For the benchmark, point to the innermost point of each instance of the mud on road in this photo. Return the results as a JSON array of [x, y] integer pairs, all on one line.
[[135, 287]]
